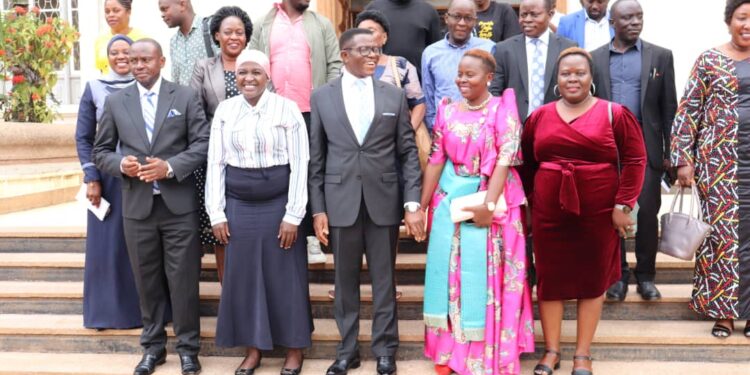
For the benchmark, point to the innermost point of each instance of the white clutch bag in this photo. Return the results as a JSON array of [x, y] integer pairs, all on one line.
[[457, 206]]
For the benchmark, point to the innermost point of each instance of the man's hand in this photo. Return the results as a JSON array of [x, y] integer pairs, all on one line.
[[221, 232], [287, 235], [130, 166], [94, 193], [154, 169], [415, 224], [320, 223]]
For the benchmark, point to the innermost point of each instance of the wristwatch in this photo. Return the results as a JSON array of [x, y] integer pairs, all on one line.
[[490, 206], [623, 208], [170, 172], [412, 207]]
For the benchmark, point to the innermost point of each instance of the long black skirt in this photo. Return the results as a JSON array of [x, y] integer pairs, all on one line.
[[265, 299]]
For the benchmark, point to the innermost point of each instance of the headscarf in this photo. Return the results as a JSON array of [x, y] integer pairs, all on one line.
[[113, 78], [110, 83], [258, 57]]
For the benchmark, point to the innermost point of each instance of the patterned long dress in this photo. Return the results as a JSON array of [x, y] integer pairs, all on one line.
[[705, 134], [476, 146]]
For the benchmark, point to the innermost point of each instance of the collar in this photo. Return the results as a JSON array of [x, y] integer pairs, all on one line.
[[197, 21], [348, 79], [449, 44], [544, 38], [638, 46], [261, 106], [156, 88], [589, 19]]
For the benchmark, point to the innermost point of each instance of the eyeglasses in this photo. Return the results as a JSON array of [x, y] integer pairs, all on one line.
[[366, 51], [458, 18]]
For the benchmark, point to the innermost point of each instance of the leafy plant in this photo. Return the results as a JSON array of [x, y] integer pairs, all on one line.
[[32, 48]]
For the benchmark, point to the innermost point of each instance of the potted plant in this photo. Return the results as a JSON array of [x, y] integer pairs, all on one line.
[[32, 49]]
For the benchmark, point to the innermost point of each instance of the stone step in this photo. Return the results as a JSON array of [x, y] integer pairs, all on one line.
[[65, 297], [615, 340], [20, 363]]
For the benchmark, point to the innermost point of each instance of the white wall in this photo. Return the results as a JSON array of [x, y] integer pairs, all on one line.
[[687, 27]]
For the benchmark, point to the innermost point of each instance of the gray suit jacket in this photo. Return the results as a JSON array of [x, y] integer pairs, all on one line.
[[658, 96], [208, 81], [180, 137], [512, 69], [342, 172]]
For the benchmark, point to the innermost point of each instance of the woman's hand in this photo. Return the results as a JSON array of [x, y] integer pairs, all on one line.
[[686, 175], [622, 222], [287, 235], [482, 216], [221, 232], [94, 193]]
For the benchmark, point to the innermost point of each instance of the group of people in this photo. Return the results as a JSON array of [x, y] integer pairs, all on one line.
[[275, 137]]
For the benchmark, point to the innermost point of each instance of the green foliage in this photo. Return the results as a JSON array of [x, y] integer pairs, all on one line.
[[31, 50]]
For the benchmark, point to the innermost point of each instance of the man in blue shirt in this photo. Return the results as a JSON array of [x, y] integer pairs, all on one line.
[[440, 59], [640, 76]]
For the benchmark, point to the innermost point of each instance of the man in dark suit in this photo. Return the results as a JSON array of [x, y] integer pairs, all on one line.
[[359, 130], [154, 135], [640, 76], [527, 63]]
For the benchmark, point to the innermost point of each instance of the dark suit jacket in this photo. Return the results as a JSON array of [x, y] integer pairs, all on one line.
[[342, 172], [513, 72], [208, 81], [658, 96], [180, 139]]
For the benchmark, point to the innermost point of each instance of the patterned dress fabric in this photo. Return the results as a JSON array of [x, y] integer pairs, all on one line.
[[477, 141], [706, 134]]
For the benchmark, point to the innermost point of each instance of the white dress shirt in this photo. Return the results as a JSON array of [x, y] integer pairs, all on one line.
[[354, 101], [270, 134], [596, 34], [530, 48]]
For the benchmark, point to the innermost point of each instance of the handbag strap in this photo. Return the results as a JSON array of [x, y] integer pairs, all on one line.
[[207, 37], [694, 202], [612, 125], [394, 70]]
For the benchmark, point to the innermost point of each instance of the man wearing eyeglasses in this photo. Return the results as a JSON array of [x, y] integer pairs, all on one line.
[[360, 128], [440, 59]]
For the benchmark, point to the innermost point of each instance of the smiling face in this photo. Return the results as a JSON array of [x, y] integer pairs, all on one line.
[[172, 12], [534, 17], [119, 57], [118, 18], [574, 78], [472, 78], [377, 31], [596, 9], [739, 26], [231, 36], [252, 81], [146, 62], [460, 20], [358, 56]]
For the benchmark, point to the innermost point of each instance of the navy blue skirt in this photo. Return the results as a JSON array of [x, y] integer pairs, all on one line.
[[265, 300]]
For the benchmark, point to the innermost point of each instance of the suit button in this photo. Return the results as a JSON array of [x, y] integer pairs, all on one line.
[[361, 151], [359, 177]]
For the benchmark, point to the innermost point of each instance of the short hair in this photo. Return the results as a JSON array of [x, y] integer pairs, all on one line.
[[127, 4], [374, 16], [617, 2], [488, 61], [576, 51], [450, 3], [348, 35], [548, 4], [226, 12], [150, 41], [732, 6]]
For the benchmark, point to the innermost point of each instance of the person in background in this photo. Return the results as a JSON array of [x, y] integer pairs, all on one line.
[[589, 27], [415, 22], [440, 59], [191, 42], [110, 299], [496, 21], [527, 63], [256, 198], [555, 20], [710, 148], [117, 13], [640, 76], [304, 54], [584, 162], [478, 311]]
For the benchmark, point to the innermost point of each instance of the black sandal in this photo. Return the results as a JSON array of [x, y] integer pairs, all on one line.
[[542, 369], [582, 371], [721, 331], [746, 332]]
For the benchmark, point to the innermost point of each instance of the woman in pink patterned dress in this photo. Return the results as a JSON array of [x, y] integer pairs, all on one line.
[[478, 311]]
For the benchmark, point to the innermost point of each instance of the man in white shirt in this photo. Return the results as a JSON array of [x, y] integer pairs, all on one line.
[[589, 27]]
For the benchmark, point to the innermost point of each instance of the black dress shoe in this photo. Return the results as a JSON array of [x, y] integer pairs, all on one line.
[[342, 366], [386, 365], [190, 364], [648, 291], [617, 291], [148, 363]]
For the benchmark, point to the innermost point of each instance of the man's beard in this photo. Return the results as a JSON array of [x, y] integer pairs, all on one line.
[[301, 7], [401, 1]]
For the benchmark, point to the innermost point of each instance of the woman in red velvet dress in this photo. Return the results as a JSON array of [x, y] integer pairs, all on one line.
[[579, 201]]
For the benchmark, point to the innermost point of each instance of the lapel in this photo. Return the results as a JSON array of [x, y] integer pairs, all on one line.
[[581, 27], [523, 65], [379, 96], [646, 54], [338, 102], [166, 98], [216, 78], [553, 51], [133, 108], [606, 80]]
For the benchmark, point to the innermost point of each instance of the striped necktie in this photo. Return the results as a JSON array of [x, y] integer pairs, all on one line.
[[149, 114], [537, 76], [365, 112]]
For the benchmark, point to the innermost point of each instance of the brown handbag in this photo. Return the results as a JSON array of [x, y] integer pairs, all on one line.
[[682, 234], [421, 135]]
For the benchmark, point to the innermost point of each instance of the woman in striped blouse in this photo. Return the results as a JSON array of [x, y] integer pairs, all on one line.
[[256, 191]]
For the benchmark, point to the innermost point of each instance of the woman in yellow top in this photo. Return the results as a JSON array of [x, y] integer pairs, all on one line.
[[117, 13]]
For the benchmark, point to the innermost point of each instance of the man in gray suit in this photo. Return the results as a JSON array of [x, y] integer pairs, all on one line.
[[359, 134], [527, 63], [154, 135]]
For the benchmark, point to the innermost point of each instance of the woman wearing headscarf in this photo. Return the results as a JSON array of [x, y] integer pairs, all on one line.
[[110, 299], [256, 192], [117, 14]]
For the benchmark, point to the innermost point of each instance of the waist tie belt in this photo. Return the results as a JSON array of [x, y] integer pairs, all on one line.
[[569, 200]]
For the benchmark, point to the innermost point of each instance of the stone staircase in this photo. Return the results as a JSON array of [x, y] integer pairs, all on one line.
[[41, 332]]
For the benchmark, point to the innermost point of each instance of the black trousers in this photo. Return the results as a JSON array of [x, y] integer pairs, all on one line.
[[306, 226], [378, 243], [165, 254], [647, 236]]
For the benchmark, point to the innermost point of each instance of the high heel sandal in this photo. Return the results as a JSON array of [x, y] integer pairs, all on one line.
[[746, 332], [582, 371], [721, 331], [542, 369], [251, 370]]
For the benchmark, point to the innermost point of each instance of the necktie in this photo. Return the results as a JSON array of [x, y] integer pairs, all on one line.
[[365, 112], [149, 113], [537, 76]]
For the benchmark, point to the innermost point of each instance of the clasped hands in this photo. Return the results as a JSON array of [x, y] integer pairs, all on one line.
[[154, 169]]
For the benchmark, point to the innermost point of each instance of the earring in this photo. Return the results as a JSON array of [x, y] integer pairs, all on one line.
[[593, 88], [556, 90], [488, 83]]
